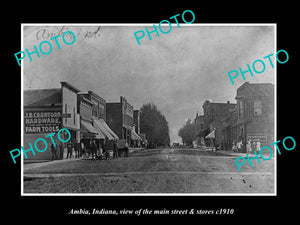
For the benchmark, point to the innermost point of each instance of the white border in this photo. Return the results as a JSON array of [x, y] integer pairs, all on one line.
[[22, 115], [151, 194]]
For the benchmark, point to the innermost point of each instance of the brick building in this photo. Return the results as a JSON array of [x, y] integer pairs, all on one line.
[[255, 113], [99, 104], [214, 114], [96, 120], [230, 130], [98, 115], [119, 117]]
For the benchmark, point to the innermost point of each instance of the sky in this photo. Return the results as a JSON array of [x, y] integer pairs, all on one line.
[[176, 71]]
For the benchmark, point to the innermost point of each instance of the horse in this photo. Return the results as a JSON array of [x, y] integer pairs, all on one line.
[[124, 150]]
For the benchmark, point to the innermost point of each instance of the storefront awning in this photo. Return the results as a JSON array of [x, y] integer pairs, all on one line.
[[103, 128], [135, 136], [211, 134], [88, 128], [109, 130], [202, 132]]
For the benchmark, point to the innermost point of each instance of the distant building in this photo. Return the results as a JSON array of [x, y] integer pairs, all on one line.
[[136, 139], [199, 122], [119, 117], [230, 130], [214, 114], [255, 113], [136, 120], [199, 126]]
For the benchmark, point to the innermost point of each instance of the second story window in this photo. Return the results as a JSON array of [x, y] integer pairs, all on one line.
[[257, 107]]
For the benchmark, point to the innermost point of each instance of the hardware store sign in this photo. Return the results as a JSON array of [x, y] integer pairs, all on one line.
[[42, 121]]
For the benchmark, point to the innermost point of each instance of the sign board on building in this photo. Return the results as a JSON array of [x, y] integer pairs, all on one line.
[[66, 115], [262, 138], [42, 121]]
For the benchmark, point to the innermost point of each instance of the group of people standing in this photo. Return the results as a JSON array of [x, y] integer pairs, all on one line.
[[250, 146], [239, 146], [254, 146], [89, 149], [57, 151]]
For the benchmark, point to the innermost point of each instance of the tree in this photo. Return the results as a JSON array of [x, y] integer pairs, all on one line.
[[187, 132], [154, 124]]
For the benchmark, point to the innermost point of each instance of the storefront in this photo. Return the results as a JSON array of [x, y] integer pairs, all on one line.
[[89, 133], [109, 136], [255, 114], [99, 125], [135, 139], [39, 122], [210, 139], [120, 118], [47, 111]]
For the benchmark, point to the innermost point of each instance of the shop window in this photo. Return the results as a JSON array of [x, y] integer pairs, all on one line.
[[257, 107]]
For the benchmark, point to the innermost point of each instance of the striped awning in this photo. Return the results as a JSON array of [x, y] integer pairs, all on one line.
[[135, 136], [211, 134], [109, 130], [88, 128], [103, 128]]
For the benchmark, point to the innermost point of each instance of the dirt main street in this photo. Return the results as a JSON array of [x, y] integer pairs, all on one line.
[[163, 171]]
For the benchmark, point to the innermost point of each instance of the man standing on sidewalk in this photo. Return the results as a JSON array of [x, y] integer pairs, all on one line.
[[53, 150], [77, 149], [61, 150], [126, 149], [70, 148], [115, 149]]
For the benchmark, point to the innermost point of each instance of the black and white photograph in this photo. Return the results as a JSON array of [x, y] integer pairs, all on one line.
[[149, 110]]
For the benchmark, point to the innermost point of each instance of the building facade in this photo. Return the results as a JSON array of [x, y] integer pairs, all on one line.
[[230, 134], [214, 114], [119, 117], [95, 122], [47, 111], [82, 113], [71, 118], [88, 129], [99, 104], [255, 113]]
